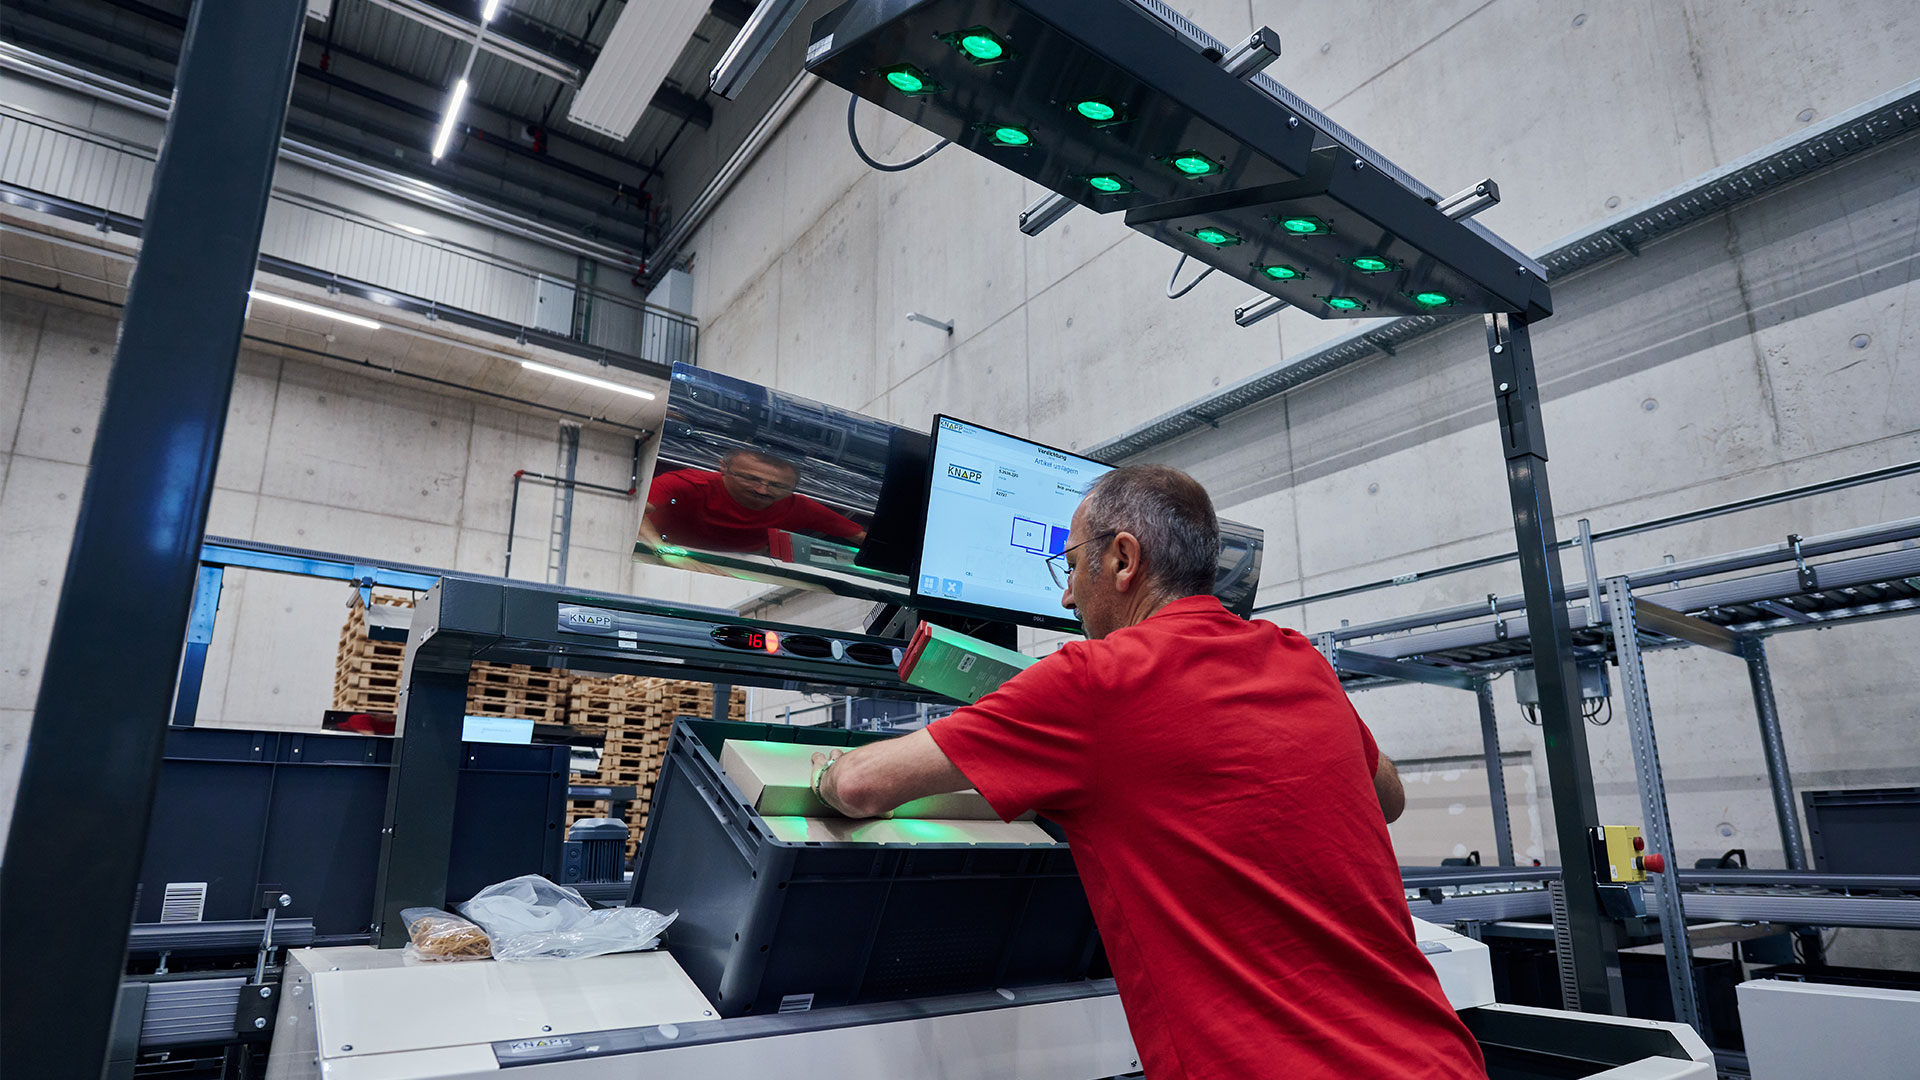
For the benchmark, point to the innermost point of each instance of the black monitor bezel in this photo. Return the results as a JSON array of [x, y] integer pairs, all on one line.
[[1065, 622]]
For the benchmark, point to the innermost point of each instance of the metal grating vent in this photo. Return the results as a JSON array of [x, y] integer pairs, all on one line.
[[185, 901]]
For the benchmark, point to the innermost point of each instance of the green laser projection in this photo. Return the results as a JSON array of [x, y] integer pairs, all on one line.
[[1011, 136], [1344, 303], [1216, 237], [1193, 163], [1371, 264], [910, 80], [1281, 272], [1108, 184], [1305, 226]]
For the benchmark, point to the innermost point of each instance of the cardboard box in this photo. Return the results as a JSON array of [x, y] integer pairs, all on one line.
[[776, 779], [960, 666]]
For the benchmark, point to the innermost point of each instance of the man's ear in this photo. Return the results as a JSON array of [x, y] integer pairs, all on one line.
[[1126, 561]]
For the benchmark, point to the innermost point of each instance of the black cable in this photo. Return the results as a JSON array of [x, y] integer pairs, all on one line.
[[853, 103]]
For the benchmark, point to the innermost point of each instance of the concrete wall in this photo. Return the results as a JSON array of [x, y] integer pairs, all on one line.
[[313, 457], [1753, 352]]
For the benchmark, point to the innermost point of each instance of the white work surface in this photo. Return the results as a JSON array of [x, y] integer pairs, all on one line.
[[1808, 1031]]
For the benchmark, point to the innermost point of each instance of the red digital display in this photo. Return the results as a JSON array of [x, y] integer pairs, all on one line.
[[746, 637], [756, 640]]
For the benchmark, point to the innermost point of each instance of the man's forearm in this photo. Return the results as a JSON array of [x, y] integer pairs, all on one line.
[[877, 777]]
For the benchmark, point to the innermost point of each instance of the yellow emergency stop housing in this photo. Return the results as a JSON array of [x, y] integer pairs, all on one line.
[[1621, 848]]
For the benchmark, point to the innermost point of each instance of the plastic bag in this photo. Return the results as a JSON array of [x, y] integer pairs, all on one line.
[[435, 935], [531, 918]]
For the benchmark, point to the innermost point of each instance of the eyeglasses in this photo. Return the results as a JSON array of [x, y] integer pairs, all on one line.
[[1058, 566], [768, 486]]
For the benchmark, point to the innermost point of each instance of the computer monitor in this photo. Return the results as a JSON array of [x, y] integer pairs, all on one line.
[[997, 506]]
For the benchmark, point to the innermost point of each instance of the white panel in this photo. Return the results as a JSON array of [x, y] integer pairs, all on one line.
[[1796, 1031], [553, 306], [636, 58]]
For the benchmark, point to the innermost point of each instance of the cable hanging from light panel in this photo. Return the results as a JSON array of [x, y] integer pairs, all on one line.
[[853, 103], [1177, 267]]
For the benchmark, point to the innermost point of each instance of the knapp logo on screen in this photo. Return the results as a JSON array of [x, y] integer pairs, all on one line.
[[965, 473]]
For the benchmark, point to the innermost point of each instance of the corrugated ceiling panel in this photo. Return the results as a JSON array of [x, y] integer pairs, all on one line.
[[640, 52]]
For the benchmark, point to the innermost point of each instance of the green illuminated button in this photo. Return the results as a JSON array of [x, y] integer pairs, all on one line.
[[1096, 110], [1193, 163], [979, 45], [1371, 264], [1216, 237], [1305, 226], [1432, 299], [1011, 136], [910, 80], [1108, 184], [1281, 272], [982, 47], [1344, 303]]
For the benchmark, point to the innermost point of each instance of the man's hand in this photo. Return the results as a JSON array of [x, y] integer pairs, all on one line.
[[822, 779]]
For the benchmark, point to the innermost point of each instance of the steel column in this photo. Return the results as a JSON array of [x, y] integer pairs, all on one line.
[[1653, 801], [1596, 960], [93, 752], [1779, 777], [1496, 775]]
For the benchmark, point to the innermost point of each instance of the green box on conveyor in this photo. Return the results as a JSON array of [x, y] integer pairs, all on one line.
[[957, 665]]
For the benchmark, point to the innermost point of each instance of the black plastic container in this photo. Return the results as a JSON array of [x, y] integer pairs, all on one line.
[[768, 925]]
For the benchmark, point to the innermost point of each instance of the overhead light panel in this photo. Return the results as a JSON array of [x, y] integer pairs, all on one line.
[[646, 40], [487, 13], [313, 309], [1195, 146], [455, 103], [574, 376]]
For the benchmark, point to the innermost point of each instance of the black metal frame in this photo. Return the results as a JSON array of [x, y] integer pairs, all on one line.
[[1595, 954], [135, 551]]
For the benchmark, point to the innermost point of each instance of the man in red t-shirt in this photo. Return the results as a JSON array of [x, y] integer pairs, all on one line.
[[731, 510], [1226, 807]]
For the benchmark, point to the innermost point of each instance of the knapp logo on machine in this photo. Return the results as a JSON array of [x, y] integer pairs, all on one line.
[[963, 473]]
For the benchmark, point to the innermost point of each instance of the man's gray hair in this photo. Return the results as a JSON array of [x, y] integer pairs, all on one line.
[[1172, 517], [766, 457]]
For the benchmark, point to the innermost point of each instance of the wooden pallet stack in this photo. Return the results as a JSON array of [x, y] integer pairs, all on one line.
[[634, 716], [366, 673], [518, 692]]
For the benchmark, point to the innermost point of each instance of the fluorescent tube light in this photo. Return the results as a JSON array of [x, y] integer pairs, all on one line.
[[313, 309], [487, 13], [447, 123], [409, 229], [561, 373]]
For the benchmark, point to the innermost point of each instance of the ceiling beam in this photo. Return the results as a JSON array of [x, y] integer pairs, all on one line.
[[683, 105]]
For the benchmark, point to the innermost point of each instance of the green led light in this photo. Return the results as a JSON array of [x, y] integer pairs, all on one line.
[[1304, 226], [1281, 272], [671, 549], [1432, 299], [1193, 163], [1345, 303], [1108, 184], [1096, 110], [1216, 237], [1371, 264], [1011, 136], [910, 80], [981, 47]]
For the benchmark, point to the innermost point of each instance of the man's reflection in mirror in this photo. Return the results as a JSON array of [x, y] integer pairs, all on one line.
[[733, 509]]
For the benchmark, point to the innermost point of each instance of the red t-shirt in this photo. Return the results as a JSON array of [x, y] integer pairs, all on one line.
[[691, 507], [1216, 786]]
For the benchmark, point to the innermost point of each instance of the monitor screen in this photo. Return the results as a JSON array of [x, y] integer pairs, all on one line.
[[997, 506]]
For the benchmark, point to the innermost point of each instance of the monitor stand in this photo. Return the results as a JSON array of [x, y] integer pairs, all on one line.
[[889, 620]]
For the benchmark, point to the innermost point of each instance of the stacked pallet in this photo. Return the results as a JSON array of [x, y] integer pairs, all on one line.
[[366, 673], [518, 692], [634, 716]]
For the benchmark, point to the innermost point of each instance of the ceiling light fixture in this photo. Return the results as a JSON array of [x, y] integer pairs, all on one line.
[[452, 118], [409, 229], [487, 13], [313, 309], [562, 373]]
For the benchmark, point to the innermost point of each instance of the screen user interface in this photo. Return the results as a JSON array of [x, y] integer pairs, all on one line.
[[997, 506]]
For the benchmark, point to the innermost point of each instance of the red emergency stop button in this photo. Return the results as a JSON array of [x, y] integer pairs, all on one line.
[[1639, 843], [1652, 864]]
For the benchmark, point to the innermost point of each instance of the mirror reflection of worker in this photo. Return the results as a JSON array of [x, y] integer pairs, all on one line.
[[1226, 806], [731, 510]]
